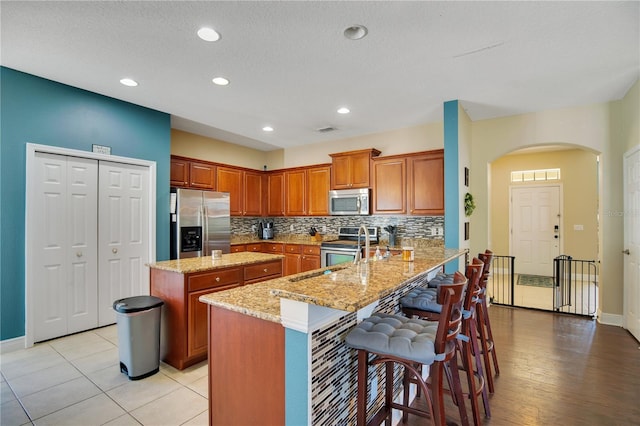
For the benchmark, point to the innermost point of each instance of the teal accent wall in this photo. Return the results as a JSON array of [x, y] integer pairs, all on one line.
[[451, 183], [296, 378], [36, 110]]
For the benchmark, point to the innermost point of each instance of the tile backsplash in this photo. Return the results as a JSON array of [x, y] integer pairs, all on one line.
[[408, 226]]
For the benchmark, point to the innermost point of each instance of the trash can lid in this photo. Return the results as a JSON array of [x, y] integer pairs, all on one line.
[[136, 304]]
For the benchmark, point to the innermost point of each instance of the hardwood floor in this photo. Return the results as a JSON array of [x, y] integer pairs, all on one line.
[[557, 369]]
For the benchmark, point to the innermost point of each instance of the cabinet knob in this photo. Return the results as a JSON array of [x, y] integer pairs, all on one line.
[[79, 254], [265, 269], [217, 279]]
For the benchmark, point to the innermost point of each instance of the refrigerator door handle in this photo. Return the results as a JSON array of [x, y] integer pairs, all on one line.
[[205, 250]]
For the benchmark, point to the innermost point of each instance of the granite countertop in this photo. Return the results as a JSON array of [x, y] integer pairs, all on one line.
[[417, 243], [200, 264], [347, 287], [282, 238]]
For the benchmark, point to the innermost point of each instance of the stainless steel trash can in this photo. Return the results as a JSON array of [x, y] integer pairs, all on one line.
[[138, 323]]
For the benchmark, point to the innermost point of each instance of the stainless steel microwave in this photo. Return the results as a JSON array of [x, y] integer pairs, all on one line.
[[343, 202]]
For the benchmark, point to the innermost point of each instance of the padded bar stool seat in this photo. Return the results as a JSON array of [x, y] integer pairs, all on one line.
[[395, 339], [440, 278], [421, 303]]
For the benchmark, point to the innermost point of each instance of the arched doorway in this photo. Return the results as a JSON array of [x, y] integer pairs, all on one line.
[[529, 229]]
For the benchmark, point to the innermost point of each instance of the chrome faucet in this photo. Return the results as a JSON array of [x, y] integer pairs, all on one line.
[[366, 243]]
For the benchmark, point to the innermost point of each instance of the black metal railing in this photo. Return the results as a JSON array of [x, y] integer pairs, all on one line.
[[501, 280], [576, 286]]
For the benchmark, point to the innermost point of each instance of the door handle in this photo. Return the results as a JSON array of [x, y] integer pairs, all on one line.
[[626, 252], [114, 250]]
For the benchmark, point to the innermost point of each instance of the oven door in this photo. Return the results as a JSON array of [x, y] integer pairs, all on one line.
[[334, 256]]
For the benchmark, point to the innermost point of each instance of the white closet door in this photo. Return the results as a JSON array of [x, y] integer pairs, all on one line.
[[66, 245], [123, 235]]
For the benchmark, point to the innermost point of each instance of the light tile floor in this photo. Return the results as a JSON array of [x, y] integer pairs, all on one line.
[[76, 380]]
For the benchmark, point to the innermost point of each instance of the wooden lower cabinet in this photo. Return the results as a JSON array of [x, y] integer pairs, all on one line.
[[310, 258], [246, 370], [184, 322]]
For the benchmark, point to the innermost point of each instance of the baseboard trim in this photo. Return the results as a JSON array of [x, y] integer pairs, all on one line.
[[610, 319], [12, 345]]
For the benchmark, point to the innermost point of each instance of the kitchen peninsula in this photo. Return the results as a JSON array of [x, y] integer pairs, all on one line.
[[276, 348], [179, 283]]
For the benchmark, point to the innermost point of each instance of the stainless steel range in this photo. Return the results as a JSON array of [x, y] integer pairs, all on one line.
[[344, 249]]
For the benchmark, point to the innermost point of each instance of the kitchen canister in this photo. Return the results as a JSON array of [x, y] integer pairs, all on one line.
[[407, 254], [216, 254]]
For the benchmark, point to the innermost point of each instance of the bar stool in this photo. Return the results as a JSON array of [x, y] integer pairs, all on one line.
[[484, 324], [417, 303], [411, 343]]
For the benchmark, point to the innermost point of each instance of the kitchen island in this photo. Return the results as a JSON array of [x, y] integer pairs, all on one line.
[[276, 349], [180, 283]]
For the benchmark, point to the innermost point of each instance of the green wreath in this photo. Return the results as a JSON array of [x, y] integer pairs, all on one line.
[[469, 205]]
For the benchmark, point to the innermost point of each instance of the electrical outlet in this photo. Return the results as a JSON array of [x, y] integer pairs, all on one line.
[[324, 229], [291, 228], [253, 228]]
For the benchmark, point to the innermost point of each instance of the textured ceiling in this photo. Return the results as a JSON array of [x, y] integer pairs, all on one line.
[[291, 67]]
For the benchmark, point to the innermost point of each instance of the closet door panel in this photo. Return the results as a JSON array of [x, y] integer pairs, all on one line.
[[123, 235], [82, 254]]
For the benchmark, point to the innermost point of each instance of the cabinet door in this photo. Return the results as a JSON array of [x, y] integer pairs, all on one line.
[[202, 176], [426, 184], [292, 263], [389, 186], [295, 184], [253, 205], [318, 185], [231, 181], [197, 327], [341, 172], [360, 170], [179, 173], [309, 263], [275, 194]]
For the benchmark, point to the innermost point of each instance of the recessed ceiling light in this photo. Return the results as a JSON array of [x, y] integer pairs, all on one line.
[[344, 110], [355, 32], [208, 34], [267, 129], [220, 81], [128, 82]]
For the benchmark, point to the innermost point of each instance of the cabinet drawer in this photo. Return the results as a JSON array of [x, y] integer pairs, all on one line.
[[256, 247], [262, 270], [292, 248], [237, 248], [314, 250], [273, 247], [214, 279]]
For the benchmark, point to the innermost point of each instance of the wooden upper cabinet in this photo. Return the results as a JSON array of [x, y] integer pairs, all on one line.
[[295, 183], [231, 181], [179, 172], [352, 169], [202, 175], [389, 185], [186, 173], [253, 193], [318, 185], [275, 194], [426, 183]]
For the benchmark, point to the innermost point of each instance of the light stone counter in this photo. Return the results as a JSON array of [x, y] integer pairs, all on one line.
[[347, 287], [201, 264], [281, 238]]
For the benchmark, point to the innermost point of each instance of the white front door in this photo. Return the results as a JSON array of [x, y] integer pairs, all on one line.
[[632, 241], [123, 235], [65, 242], [535, 228]]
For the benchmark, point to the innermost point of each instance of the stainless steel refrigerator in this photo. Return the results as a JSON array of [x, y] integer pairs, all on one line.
[[200, 223]]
